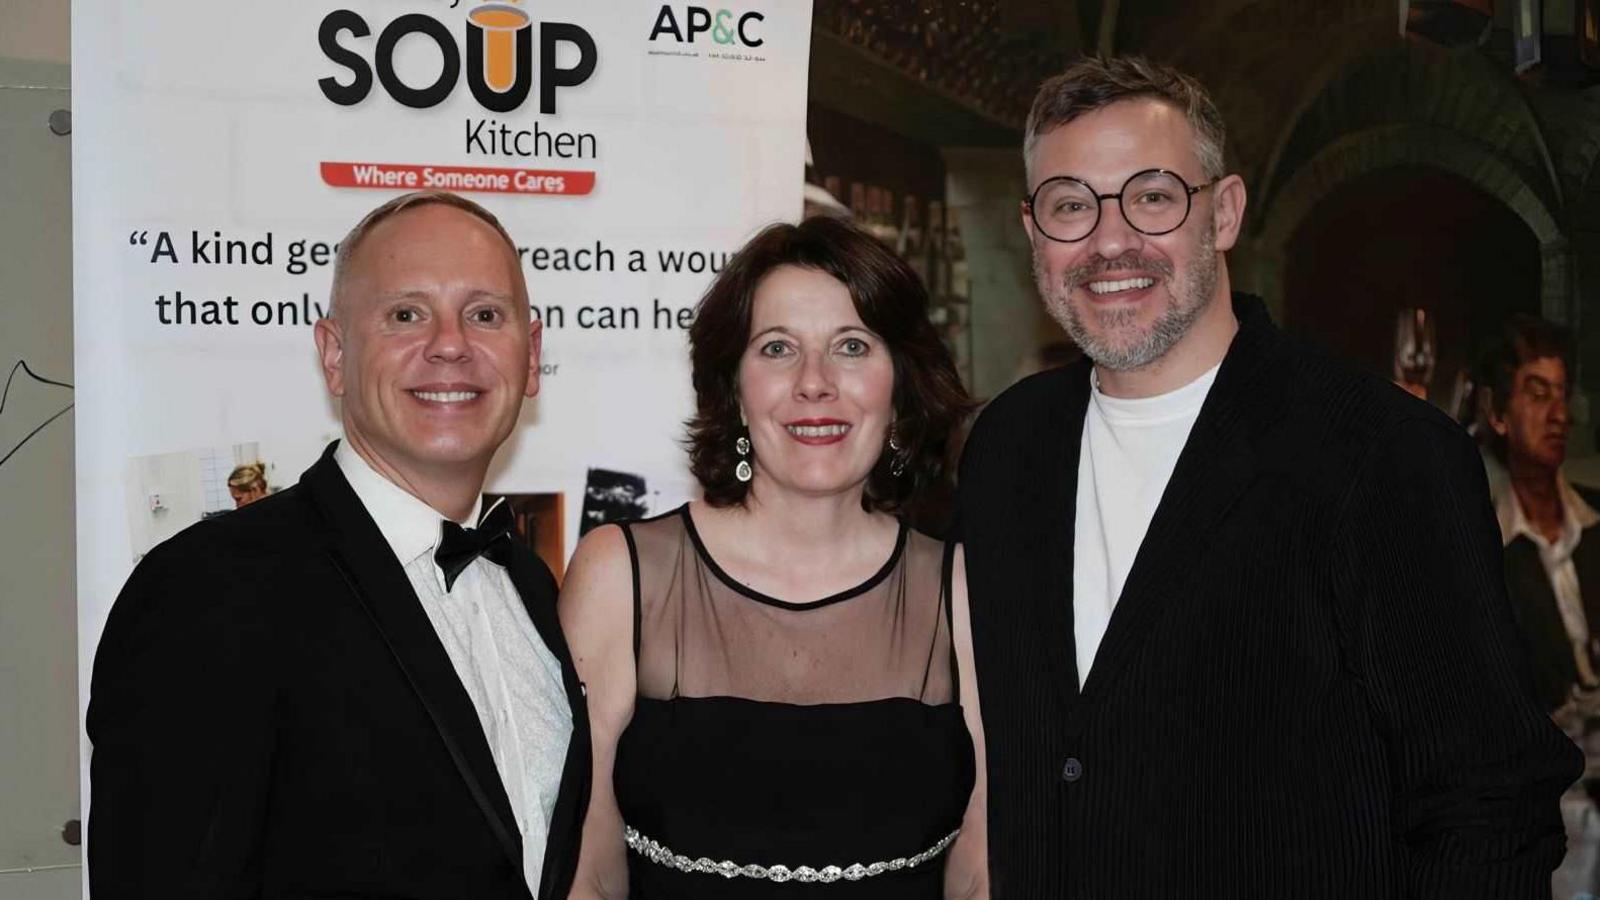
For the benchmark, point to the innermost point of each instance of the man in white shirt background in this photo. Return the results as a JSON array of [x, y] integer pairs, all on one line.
[[1546, 523], [357, 687]]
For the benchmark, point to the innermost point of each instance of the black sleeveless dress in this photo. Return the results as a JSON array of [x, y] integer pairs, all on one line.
[[781, 749]]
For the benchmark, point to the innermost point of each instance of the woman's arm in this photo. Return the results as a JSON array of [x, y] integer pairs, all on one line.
[[596, 610], [966, 874]]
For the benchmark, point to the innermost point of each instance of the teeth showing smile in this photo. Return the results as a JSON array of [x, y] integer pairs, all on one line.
[[1126, 284], [445, 396], [817, 431]]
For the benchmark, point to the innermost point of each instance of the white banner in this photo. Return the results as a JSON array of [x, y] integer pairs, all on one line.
[[220, 152]]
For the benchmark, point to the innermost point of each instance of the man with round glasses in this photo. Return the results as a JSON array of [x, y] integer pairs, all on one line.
[[1155, 202], [1238, 612]]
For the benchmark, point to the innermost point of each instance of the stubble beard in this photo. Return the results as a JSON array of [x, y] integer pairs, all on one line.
[[1112, 337]]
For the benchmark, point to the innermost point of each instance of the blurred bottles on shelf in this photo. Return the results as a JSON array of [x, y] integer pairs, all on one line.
[[928, 237]]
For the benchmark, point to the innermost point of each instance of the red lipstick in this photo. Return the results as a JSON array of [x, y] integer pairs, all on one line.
[[817, 432]]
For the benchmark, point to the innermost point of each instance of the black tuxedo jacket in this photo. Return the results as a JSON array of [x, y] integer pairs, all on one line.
[[1311, 685], [272, 715], [1533, 602]]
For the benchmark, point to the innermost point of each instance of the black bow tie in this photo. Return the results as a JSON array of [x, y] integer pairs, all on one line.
[[458, 546]]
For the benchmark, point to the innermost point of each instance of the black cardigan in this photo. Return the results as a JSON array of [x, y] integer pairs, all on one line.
[[1310, 686]]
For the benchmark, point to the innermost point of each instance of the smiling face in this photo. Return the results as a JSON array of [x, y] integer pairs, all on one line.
[[432, 350], [816, 386], [1125, 297]]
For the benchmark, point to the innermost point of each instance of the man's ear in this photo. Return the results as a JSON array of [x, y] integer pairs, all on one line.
[[1228, 216], [1492, 416], [1027, 221], [535, 347], [329, 336], [1498, 423]]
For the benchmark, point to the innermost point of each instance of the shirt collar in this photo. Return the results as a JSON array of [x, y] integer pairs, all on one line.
[[1576, 514], [1179, 403], [410, 526], [1577, 508]]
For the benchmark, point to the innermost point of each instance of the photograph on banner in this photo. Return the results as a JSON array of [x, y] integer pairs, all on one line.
[[613, 497], [538, 522], [168, 492]]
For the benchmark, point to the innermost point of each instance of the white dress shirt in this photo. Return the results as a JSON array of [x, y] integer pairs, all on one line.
[[1128, 452], [513, 679], [1556, 558]]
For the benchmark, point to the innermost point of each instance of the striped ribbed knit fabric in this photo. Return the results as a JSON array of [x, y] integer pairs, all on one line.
[[1310, 687]]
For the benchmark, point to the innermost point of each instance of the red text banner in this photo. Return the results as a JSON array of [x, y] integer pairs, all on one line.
[[466, 179]]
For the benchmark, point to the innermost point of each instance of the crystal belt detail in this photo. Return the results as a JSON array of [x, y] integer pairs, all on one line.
[[656, 853]]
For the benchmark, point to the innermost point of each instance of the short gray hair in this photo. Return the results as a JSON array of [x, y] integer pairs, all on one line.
[[1095, 82], [347, 247]]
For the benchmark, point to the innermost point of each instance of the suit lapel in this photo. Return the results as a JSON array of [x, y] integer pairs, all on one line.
[[1586, 560], [1537, 611], [380, 585], [1052, 451], [1217, 464], [537, 589]]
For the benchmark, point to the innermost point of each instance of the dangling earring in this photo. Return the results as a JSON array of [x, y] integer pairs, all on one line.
[[897, 459], [742, 471]]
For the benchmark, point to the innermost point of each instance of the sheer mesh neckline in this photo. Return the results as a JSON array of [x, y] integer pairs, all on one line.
[[702, 634], [750, 592]]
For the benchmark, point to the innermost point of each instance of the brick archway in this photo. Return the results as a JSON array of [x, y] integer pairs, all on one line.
[[1406, 237], [1355, 155]]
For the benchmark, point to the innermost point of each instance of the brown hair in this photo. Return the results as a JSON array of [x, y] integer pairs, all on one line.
[[347, 247], [929, 400], [1522, 340], [1095, 82]]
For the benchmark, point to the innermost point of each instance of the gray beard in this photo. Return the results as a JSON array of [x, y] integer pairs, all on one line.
[[1109, 343]]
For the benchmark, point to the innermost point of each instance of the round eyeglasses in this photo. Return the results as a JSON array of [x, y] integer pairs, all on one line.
[[1153, 202]]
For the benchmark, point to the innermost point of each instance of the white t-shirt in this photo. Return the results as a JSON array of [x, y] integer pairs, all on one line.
[[1129, 450]]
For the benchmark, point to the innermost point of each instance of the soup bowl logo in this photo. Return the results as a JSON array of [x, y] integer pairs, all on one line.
[[500, 58], [500, 45]]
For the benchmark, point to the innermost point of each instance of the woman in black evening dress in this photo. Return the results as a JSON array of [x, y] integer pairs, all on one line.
[[779, 676]]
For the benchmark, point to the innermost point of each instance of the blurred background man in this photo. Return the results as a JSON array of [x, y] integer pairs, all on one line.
[[1552, 558], [1547, 523]]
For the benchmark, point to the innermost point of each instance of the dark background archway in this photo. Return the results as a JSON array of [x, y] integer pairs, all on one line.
[[1409, 237]]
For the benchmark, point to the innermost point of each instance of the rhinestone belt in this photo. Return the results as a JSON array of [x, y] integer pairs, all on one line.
[[656, 853]]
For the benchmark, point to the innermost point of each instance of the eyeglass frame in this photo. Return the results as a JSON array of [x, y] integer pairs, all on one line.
[[1099, 206]]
